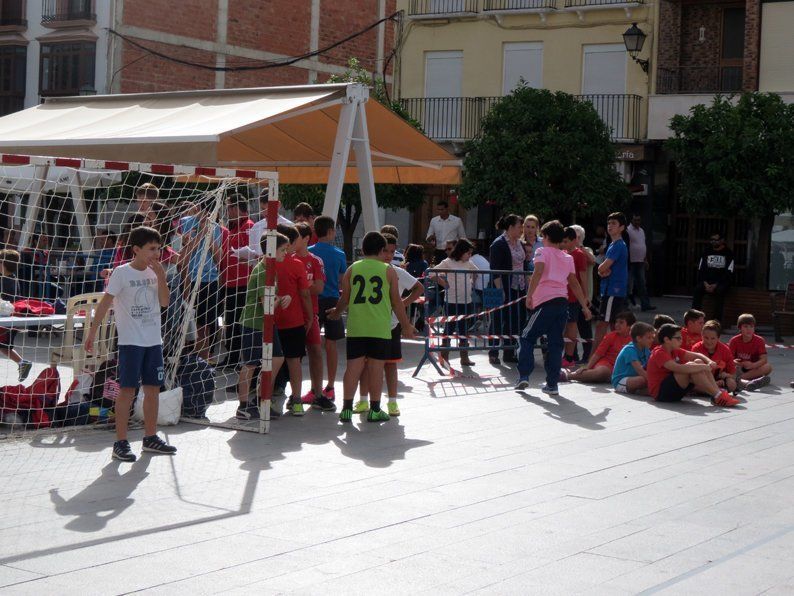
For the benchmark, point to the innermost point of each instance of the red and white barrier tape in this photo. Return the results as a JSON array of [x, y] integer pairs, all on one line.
[[778, 347], [455, 318]]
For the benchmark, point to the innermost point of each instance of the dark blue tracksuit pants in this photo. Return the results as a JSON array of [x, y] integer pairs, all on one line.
[[548, 319]]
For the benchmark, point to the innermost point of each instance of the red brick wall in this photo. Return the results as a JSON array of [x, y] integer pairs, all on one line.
[[752, 45], [277, 26]]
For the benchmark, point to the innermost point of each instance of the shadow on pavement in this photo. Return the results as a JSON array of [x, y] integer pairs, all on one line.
[[568, 411]]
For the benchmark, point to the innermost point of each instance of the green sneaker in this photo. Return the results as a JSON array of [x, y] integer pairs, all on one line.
[[379, 416], [394, 409], [296, 409], [346, 415], [361, 407]]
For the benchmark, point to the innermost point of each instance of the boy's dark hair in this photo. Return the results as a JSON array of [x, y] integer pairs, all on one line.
[[745, 319], [618, 217], [626, 316], [303, 210], [639, 329], [570, 233], [281, 240], [323, 225], [660, 320], [713, 325], [10, 260], [143, 235], [239, 201], [554, 231], [442, 204], [388, 229], [414, 252], [693, 315], [372, 244], [667, 331], [290, 232], [391, 239], [264, 196], [462, 246], [304, 229]]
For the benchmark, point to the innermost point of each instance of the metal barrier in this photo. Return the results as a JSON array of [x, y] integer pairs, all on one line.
[[472, 310]]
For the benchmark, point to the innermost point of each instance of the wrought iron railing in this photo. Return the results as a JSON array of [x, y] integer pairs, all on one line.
[[66, 10], [699, 79], [517, 5], [578, 3], [441, 7], [460, 118]]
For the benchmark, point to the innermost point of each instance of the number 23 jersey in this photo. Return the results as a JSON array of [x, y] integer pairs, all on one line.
[[369, 307]]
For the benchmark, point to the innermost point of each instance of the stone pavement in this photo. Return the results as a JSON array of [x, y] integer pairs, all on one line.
[[475, 488]]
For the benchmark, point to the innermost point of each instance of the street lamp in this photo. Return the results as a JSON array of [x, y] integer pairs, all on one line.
[[634, 39]]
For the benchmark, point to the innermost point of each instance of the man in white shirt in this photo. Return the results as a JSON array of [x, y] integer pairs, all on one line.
[[444, 228], [254, 249], [638, 262]]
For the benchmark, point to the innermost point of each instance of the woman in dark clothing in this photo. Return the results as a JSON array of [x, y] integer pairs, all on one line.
[[507, 253]]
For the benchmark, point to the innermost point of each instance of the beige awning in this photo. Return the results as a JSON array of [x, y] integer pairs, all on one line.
[[291, 130]]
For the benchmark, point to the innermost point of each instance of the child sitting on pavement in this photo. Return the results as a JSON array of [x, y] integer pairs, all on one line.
[[749, 354], [673, 372], [599, 368], [711, 346], [693, 328], [629, 374]]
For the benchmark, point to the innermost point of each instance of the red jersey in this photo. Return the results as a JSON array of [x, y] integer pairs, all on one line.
[[234, 272], [579, 265], [291, 276], [688, 340], [656, 370], [751, 350], [722, 356], [611, 345], [315, 269]]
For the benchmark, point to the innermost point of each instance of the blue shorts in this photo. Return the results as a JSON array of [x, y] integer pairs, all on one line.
[[252, 346], [139, 365]]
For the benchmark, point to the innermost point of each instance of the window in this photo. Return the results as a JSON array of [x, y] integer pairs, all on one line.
[[12, 13], [444, 106], [522, 61], [66, 68], [781, 258], [12, 78]]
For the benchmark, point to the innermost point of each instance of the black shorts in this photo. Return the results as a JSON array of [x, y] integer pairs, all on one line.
[[252, 346], [610, 307], [368, 347], [293, 342], [334, 330], [574, 310], [396, 344], [671, 391], [208, 304]]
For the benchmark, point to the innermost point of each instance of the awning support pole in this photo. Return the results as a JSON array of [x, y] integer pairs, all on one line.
[[366, 178], [336, 177], [34, 199], [80, 214]]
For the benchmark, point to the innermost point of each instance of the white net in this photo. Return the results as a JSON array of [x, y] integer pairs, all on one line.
[[64, 227]]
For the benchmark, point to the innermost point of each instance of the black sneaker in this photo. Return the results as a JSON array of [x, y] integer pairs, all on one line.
[[323, 403], [122, 451], [155, 444], [274, 414], [249, 412]]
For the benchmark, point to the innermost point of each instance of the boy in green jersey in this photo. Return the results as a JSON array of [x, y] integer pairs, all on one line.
[[370, 295]]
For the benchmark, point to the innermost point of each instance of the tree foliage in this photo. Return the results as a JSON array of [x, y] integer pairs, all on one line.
[[543, 152], [736, 156]]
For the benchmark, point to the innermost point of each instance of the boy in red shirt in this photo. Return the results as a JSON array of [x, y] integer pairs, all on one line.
[[315, 273], [295, 316], [749, 354], [672, 372], [711, 347], [599, 368], [693, 328], [574, 308]]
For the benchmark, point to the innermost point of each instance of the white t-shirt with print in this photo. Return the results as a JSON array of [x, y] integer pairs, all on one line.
[[136, 306], [405, 282]]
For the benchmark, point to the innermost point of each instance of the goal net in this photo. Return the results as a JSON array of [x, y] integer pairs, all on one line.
[[65, 225]]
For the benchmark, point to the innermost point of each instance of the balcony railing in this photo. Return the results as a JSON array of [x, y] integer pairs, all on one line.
[[517, 5], [699, 79], [429, 8], [12, 21], [66, 10], [581, 3], [459, 119]]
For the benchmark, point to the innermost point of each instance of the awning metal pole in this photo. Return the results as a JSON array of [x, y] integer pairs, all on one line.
[[366, 177]]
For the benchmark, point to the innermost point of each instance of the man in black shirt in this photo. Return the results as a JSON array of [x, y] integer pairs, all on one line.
[[715, 270]]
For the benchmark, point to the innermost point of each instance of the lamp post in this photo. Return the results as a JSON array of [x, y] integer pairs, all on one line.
[[634, 39]]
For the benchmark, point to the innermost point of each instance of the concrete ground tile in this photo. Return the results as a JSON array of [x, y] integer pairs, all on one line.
[[10, 576]]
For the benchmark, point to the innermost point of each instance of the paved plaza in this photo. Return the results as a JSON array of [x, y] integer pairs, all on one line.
[[475, 488]]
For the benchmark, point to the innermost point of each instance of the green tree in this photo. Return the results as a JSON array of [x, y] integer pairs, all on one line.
[[543, 152], [390, 196], [735, 157]]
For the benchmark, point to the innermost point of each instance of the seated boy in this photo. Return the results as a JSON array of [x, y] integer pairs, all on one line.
[[672, 372], [693, 327], [629, 375], [658, 321], [749, 354], [599, 368], [720, 353]]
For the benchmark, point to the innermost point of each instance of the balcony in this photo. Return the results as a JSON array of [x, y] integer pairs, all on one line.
[[435, 9], [601, 3], [458, 119], [67, 13], [699, 79], [518, 6]]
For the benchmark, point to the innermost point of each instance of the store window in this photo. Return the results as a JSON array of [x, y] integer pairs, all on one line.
[[781, 254], [67, 68]]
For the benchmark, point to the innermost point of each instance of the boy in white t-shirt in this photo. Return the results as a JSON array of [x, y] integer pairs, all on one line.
[[137, 291]]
